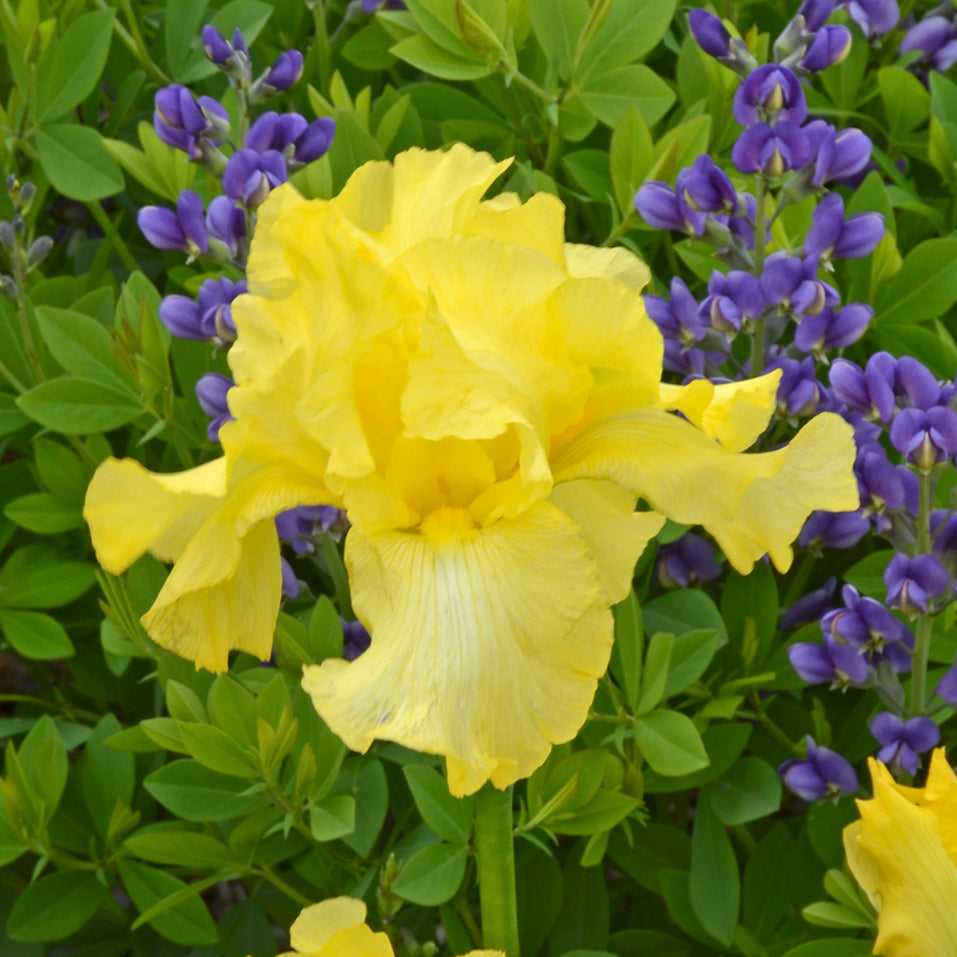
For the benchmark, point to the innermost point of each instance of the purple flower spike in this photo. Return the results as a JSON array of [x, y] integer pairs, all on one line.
[[211, 392], [771, 93], [874, 17], [833, 237], [879, 481], [925, 437], [690, 559], [251, 176], [936, 39], [833, 530], [180, 121], [284, 73], [314, 141], [824, 774], [771, 150], [182, 316], [903, 740], [831, 45], [705, 187], [836, 155], [915, 381], [799, 392], [215, 45], [678, 319], [657, 204], [867, 626], [815, 13], [226, 222], [214, 301], [831, 663], [912, 582], [233, 58], [869, 391], [947, 686], [710, 33], [184, 230]]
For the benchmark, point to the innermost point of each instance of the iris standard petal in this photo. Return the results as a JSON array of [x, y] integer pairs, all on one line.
[[487, 643], [897, 855], [752, 503]]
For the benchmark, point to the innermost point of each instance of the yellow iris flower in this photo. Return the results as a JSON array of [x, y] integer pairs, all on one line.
[[903, 853], [485, 402], [336, 928]]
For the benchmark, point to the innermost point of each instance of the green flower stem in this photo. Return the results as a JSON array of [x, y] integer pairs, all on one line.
[[925, 622], [760, 240], [496, 869], [337, 570]]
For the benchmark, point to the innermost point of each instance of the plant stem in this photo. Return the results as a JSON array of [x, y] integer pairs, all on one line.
[[496, 869], [340, 580], [760, 240], [925, 622]]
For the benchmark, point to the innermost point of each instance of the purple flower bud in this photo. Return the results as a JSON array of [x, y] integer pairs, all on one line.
[[833, 530], [710, 33], [824, 774], [355, 639], [912, 582], [678, 319], [831, 45], [815, 13], [184, 230], [291, 587], [870, 390], [735, 300], [828, 329], [690, 559], [867, 626], [214, 301], [903, 740], [179, 120], [251, 176], [809, 607], [836, 155], [947, 686], [771, 150], [314, 141], [706, 187], [211, 392], [879, 481], [799, 392], [226, 222], [181, 315], [915, 381], [657, 204], [943, 529], [215, 45], [833, 237], [936, 39], [874, 17], [832, 663], [284, 73], [771, 93], [925, 437]]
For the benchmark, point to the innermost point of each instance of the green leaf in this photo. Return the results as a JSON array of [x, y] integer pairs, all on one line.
[[333, 817], [630, 31], [629, 157], [107, 776], [714, 881], [77, 163], [195, 793], [601, 813], [690, 656], [831, 947], [670, 743], [34, 577], [426, 55], [724, 744], [232, 708], [432, 875], [42, 756], [187, 923], [749, 605], [11, 418], [906, 100], [655, 672], [830, 914], [180, 29], [609, 94], [83, 346], [589, 168], [79, 406], [352, 147], [218, 750], [55, 906], [627, 651], [683, 610], [371, 791], [450, 818], [180, 848], [750, 790], [585, 914], [925, 287], [61, 470], [44, 513], [36, 636], [73, 64], [557, 25]]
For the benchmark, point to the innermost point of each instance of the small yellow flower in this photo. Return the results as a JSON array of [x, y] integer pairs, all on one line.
[[485, 401], [336, 928], [903, 853]]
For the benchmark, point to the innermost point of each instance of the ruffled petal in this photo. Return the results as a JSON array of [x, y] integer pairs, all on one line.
[[131, 510], [615, 532], [224, 589], [734, 413], [897, 854], [538, 223], [487, 643], [618, 264], [752, 503]]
